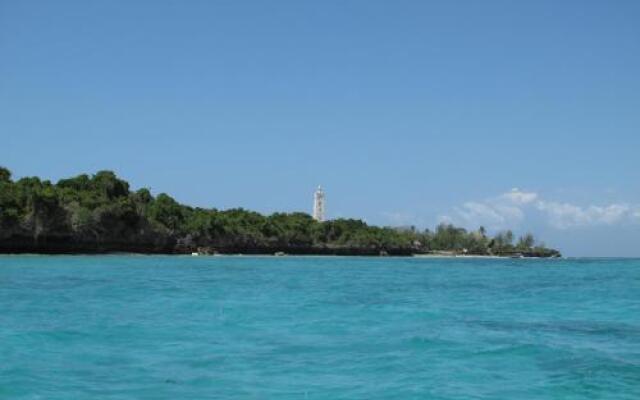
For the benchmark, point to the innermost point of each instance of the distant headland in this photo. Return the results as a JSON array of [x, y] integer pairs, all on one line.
[[100, 214]]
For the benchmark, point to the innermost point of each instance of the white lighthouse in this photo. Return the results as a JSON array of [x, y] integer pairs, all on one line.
[[318, 205]]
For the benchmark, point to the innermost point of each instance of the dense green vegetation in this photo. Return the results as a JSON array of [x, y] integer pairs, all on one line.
[[100, 213]]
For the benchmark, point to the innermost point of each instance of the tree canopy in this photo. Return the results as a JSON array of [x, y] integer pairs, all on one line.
[[90, 213]]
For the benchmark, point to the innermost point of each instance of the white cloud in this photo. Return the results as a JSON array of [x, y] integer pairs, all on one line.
[[565, 215], [499, 212], [492, 214], [517, 196], [511, 208]]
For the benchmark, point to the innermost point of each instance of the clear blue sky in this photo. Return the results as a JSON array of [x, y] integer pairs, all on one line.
[[405, 111]]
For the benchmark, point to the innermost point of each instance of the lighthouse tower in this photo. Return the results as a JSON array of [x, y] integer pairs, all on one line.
[[318, 205]]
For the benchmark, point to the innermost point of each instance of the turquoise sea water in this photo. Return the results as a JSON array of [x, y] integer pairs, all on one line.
[[171, 327]]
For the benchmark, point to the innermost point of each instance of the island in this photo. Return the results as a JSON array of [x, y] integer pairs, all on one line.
[[100, 214]]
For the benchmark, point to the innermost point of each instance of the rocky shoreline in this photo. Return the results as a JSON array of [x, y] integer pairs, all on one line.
[[24, 245]]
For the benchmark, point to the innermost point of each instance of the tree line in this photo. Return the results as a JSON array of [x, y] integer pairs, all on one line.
[[100, 213]]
